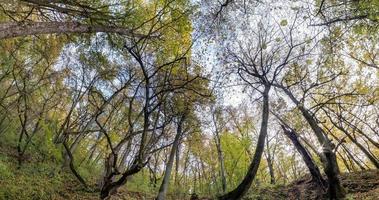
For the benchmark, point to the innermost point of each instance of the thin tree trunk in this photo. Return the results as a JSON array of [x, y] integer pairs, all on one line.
[[282, 173], [166, 179], [73, 146], [352, 157], [335, 189], [71, 165], [177, 163], [348, 153], [376, 144], [345, 162], [312, 167], [219, 151], [221, 160], [373, 160], [122, 164], [270, 163], [271, 170]]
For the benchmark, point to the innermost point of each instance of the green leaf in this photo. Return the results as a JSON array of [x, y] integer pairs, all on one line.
[[284, 22]]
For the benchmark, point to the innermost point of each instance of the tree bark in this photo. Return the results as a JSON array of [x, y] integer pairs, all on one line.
[[244, 186], [335, 189], [177, 163], [71, 165], [220, 154], [72, 147], [111, 187], [222, 163], [373, 160], [166, 179], [352, 159], [312, 167], [345, 162], [270, 162], [348, 154]]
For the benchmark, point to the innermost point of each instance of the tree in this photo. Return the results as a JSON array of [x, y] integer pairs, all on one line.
[[312, 167], [37, 19], [218, 127], [258, 65]]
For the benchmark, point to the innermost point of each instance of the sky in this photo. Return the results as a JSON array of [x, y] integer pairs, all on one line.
[[237, 25]]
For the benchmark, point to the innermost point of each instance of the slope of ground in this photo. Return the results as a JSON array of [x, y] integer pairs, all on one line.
[[44, 180], [363, 185], [36, 179]]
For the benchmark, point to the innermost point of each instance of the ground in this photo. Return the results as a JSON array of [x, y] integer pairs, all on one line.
[[363, 185], [44, 180]]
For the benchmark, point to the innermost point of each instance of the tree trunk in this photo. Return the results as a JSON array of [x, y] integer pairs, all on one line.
[[73, 146], [270, 163], [348, 154], [352, 159], [345, 162], [219, 151], [271, 170], [373, 160], [177, 163], [312, 167], [71, 165], [221, 160], [354, 127], [244, 186], [335, 189], [122, 164], [166, 179], [110, 187], [108, 183]]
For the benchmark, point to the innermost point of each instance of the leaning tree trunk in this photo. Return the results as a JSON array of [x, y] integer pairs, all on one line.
[[329, 159], [72, 147], [244, 186], [312, 167], [109, 184], [352, 159], [372, 159], [71, 165], [111, 187], [166, 179]]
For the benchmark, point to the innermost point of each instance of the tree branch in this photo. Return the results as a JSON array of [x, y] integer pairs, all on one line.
[[13, 29]]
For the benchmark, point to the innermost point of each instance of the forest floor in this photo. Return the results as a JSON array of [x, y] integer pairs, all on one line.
[[43, 181], [363, 185]]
